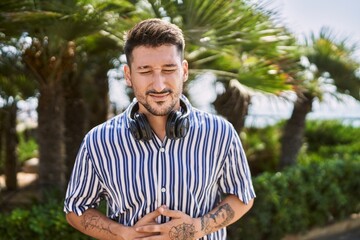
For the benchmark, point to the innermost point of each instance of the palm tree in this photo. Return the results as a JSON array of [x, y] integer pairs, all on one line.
[[86, 89], [52, 55], [14, 86], [86, 92], [329, 59]]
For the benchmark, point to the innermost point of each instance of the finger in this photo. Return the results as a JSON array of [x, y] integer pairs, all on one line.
[[156, 237], [150, 228], [151, 216], [146, 235], [170, 213]]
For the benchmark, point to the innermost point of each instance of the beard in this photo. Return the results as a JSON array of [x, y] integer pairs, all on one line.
[[161, 108]]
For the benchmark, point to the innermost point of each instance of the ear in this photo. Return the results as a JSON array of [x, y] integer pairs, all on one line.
[[185, 70], [127, 74]]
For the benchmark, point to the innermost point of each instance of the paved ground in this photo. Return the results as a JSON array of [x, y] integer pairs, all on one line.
[[26, 193], [353, 234], [348, 229]]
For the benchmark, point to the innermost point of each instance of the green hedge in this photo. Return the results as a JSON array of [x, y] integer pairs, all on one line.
[[329, 133], [262, 148], [300, 198]]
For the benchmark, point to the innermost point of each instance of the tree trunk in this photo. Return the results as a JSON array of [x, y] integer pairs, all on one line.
[[99, 103], [11, 142], [51, 135], [233, 104], [2, 137], [75, 120], [49, 68], [293, 132]]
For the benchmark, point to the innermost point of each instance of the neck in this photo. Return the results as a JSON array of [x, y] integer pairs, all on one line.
[[158, 125]]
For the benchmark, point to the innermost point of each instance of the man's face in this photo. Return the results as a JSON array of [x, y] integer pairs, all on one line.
[[157, 76]]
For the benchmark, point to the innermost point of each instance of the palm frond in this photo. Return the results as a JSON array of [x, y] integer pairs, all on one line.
[[220, 33], [334, 56]]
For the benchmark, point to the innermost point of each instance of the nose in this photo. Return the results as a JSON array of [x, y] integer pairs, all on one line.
[[159, 82]]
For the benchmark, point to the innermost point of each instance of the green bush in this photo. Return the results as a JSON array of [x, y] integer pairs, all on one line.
[[45, 221], [300, 198], [27, 147], [329, 133], [262, 148], [329, 139]]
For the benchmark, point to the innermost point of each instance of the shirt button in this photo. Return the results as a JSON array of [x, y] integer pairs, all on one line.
[[162, 149], [163, 189]]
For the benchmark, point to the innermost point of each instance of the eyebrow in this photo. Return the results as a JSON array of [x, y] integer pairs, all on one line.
[[143, 67]]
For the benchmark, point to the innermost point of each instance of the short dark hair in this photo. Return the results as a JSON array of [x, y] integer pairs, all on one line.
[[153, 33]]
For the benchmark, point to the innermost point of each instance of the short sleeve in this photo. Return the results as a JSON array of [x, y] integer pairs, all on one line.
[[236, 177], [84, 189]]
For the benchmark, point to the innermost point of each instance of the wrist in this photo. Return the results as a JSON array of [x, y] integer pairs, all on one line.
[[198, 228], [123, 232]]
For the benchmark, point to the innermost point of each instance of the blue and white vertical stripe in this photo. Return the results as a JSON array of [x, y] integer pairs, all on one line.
[[136, 177]]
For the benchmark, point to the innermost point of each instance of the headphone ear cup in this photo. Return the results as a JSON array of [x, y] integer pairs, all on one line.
[[171, 124], [182, 127], [177, 124], [143, 127], [134, 129]]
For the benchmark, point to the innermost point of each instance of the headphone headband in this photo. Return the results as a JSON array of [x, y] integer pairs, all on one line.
[[177, 123]]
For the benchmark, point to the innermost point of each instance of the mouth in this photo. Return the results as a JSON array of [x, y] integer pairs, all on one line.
[[159, 96]]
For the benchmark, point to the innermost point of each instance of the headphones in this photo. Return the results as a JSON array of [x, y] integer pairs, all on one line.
[[177, 123]]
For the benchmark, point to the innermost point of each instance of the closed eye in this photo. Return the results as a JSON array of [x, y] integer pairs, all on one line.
[[145, 71], [169, 70]]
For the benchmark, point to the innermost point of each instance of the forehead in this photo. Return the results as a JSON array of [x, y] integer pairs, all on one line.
[[152, 56]]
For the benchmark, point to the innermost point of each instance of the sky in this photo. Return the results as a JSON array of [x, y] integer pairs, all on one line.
[[305, 16]]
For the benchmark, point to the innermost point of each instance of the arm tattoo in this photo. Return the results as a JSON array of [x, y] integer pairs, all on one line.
[[93, 222], [221, 218], [182, 232]]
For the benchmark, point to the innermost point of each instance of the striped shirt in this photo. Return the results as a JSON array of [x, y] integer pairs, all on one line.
[[136, 177]]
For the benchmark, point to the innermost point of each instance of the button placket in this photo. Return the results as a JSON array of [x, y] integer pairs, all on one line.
[[162, 173]]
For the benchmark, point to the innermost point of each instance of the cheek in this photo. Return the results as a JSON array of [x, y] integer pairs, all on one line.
[[138, 88]]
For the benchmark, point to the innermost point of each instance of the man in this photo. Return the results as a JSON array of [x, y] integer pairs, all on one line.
[[162, 165]]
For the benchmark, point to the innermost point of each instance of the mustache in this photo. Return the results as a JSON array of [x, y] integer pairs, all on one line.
[[165, 91]]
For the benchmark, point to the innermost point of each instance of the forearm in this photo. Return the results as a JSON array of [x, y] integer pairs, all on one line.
[[97, 225], [227, 212], [181, 224]]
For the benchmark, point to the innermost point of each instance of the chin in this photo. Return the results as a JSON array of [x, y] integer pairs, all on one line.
[[160, 109]]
